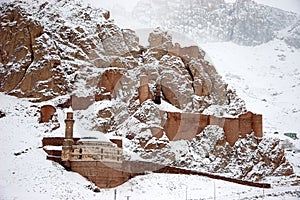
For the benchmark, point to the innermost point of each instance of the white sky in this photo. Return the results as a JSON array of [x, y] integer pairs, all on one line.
[[288, 5], [108, 4]]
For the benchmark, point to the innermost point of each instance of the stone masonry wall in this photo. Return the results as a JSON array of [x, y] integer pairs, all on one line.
[[104, 175], [187, 125]]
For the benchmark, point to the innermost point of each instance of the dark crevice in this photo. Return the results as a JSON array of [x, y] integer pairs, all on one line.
[[191, 75]]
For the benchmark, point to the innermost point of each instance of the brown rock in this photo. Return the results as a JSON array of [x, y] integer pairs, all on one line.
[[81, 103], [47, 112], [2, 114], [185, 53], [157, 132], [105, 113], [110, 81], [160, 40], [106, 15], [144, 91]]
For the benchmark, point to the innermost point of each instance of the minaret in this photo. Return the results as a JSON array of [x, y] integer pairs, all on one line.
[[68, 141]]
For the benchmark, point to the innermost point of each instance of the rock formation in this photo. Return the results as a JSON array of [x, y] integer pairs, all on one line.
[[47, 112], [82, 59]]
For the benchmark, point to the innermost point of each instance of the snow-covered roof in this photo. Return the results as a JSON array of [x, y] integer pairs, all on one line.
[[93, 136]]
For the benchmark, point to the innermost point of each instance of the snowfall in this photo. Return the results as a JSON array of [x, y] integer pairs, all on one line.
[[267, 77]]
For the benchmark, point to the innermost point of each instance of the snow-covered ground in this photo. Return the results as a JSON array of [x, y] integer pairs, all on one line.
[[26, 174], [267, 77]]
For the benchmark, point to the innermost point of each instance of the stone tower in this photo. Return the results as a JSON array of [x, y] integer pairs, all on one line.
[[68, 141]]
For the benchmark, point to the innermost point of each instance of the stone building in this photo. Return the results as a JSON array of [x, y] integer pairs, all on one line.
[[96, 158], [88, 148], [95, 149]]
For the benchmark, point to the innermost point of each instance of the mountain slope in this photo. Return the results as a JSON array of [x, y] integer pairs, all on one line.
[[243, 22], [98, 68]]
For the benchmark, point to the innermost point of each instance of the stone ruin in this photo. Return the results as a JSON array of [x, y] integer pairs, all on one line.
[[102, 161], [186, 126]]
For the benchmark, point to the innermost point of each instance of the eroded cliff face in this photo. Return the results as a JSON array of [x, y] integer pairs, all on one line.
[[47, 48], [76, 56]]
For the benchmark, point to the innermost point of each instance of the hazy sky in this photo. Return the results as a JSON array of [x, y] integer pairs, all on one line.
[[289, 5], [108, 4]]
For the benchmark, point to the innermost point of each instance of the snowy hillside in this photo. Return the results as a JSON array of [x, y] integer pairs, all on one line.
[[26, 174], [82, 44]]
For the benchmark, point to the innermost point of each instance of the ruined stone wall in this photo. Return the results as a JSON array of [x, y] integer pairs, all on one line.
[[187, 125], [107, 175], [55, 141], [184, 125]]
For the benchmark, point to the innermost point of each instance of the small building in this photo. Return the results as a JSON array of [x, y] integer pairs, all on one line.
[[291, 135], [96, 149], [97, 158]]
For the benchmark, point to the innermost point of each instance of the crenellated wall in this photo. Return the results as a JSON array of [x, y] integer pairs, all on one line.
[[187, 125]]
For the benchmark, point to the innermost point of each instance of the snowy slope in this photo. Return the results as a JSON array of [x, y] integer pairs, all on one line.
[[266, 76], [26, 174]]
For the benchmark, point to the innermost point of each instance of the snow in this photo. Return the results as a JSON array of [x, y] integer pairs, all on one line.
[[93, 136], [267, 77], [288, 5], [30, 176], [165, 106]]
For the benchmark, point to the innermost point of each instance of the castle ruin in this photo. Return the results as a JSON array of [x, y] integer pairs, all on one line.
[[185, 126]]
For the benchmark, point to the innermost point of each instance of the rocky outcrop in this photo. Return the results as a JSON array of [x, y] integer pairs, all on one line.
[[109, 83], [47, 113], [117, 42], [84, 59], [43, 55], [27, 72], [249, 158], [2, 114], [292, 35]]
